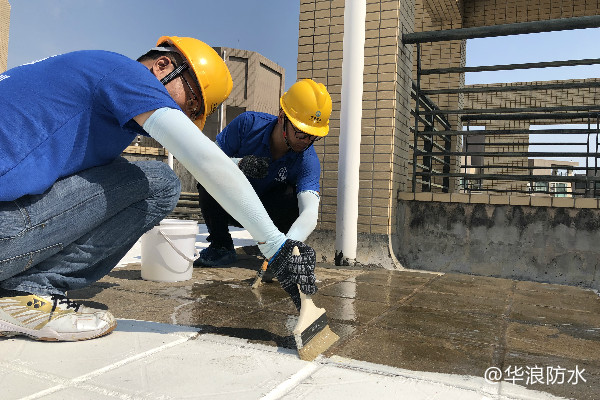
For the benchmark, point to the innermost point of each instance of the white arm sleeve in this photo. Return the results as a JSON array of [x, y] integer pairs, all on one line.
[[308, 206], [217, 173]]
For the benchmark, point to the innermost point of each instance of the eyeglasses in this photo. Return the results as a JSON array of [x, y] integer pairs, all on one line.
[[300, 135], [195, 101]]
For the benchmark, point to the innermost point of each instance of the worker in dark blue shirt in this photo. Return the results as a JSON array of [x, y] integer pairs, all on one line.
[[275, 153]]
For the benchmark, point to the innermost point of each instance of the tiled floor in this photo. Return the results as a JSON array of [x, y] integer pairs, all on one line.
[[402, 335]]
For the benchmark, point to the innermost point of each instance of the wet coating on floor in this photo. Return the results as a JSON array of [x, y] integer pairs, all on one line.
[[452, 323]]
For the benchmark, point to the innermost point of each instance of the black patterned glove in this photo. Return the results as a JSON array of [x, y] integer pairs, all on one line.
[[293, 271], [254, 167]]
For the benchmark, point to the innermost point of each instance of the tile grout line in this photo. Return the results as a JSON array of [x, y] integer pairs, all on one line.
[[75, 382], [392, 308], [462, 381], [499, 354], [402, 301]]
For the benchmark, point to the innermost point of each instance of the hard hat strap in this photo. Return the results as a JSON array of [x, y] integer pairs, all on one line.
[[175, 73], [166, 49], [283, 130]]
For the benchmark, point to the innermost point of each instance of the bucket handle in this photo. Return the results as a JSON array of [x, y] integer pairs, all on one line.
[[196, 254]]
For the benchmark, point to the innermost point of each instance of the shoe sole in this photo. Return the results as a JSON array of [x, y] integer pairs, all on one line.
[[49, 335]]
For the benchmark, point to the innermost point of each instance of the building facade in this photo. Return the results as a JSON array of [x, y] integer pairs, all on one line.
[[386, 143], [4, 25]]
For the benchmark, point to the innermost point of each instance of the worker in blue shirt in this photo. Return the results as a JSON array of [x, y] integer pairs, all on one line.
[[275, 153], [71, 207]]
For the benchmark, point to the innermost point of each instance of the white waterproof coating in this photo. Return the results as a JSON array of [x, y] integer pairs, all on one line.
[[217, 173], [308, 206]]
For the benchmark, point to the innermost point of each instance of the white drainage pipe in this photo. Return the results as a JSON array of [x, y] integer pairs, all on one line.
[[350, 130]]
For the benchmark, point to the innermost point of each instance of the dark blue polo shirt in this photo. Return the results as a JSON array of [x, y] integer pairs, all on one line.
[[250, 133]]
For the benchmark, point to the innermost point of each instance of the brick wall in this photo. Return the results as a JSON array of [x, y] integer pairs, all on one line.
[[494, 12], [386, 101], [4, 25]]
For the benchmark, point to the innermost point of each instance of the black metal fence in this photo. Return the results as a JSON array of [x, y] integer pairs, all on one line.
[[501, 157]]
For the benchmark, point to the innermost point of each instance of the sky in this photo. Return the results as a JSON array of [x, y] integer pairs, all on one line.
[[535, 47], [42, 28]]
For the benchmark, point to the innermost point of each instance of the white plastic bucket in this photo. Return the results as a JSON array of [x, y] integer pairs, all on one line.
[[169, 251]]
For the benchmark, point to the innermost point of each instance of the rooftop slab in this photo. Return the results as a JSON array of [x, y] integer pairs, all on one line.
[[420, 334]]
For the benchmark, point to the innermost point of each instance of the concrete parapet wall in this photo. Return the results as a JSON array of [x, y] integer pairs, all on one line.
[[551, 240]]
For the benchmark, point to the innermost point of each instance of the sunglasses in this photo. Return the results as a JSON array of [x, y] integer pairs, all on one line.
[[195, 104], [300, 135]]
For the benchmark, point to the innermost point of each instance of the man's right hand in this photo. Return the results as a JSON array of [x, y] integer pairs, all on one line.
[[295, 271], [254, 167]]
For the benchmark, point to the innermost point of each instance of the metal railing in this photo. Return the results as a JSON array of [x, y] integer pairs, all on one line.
[[431, 147], [504, 159]]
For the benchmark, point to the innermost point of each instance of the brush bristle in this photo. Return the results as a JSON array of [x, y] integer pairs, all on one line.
[[310, 331], [318, 344]]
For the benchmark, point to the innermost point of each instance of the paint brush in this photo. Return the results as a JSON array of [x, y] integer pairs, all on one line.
[[312, 333], [258, 280]]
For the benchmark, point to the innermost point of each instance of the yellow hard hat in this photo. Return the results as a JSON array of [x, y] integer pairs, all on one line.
[[308, 106], [210, 71]]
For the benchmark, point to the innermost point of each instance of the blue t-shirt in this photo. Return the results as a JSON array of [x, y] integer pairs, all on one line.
[[70, 112], [250, 133]]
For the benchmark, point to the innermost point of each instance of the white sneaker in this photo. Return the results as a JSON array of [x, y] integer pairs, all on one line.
[[53, 317]]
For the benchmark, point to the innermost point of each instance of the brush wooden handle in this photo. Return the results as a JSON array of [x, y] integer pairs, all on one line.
[[259, 275], [264, 265], [295, 251], [309, 313]]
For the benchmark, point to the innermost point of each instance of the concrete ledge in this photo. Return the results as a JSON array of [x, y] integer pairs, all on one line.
[[493, 199], [459, 198], [480, 199], [586, 203], [406, 196], [519, 200], [424, 196], [567, 202], [539, 201], [442, 197]]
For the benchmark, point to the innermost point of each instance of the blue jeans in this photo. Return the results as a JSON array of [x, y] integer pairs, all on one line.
[[77, 231]]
